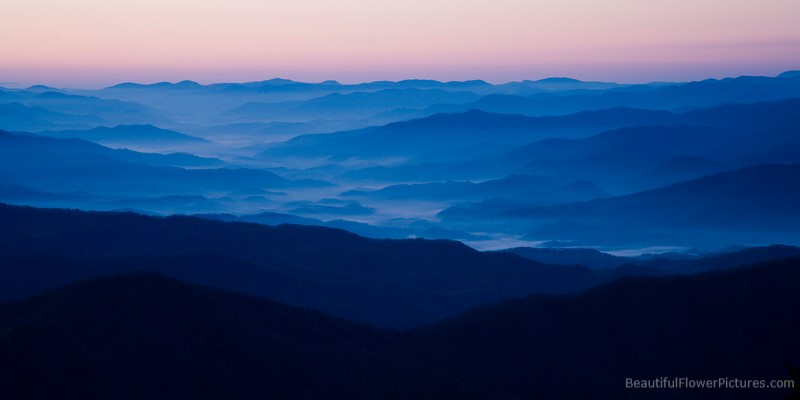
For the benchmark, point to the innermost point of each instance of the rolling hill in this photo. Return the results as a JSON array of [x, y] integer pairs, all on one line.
[[394, 283], [349, 105], [442, 132], [147, 137], [681, 96], [755, 204], [16, 116], [135, 335]]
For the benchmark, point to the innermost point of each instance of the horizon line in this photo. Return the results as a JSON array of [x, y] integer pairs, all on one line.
[[206, 83]]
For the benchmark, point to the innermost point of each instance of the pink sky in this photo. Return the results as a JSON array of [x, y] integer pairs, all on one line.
[[91, 43]]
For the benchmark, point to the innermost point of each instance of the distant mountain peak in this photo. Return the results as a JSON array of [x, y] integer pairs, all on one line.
[[477, 82], [53, 95], [418, 81], [558, 79], [134, 85], [278, 81], [40, 87], [188, 83], [476, 111], [790, 74], [141, 127], [17, 106], [126, 85]]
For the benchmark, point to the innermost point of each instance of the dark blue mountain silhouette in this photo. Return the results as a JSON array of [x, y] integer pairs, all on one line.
[[120, 112], [790, 74], [17, 148], [286, 84], [211, 103], [755, 204], [646, 327], [589, 258], [93, 339], [674, 170], [81, 106], [556, 84], [219, 344], [395, 283], [710, 92], [69, 166], [707, 171], [19, 117], [758, 197], [451, 131], [657, 263], [186, 84], [524, 188], [131, 136], [40, 88], [350, 105], [348, 209], [359, 228], [736, 136]]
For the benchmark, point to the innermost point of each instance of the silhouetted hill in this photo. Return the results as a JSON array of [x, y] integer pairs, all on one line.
[[724, 260], [142, 335], [452, 131], [292, 101], [262, 133], [659, 264], [71, 166], [754, 205], [610, 157], [674, 170], [329, 85], [397, 283], [120, 112], [556, 84], [349, 209], [349, 105], [265, 218], [281, 100], [19, 194], [529, 189], [132, 136], [424, 230], [795, 74], [705, 93], [16, 116], [732, 324], [617, 159], [558, 79], [589, 258], [159, 85], [41, 88], [79, 107], [20, 150], [135, 335], [757, 197]]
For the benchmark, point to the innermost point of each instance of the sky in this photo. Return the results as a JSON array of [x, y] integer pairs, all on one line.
[[93, 43]]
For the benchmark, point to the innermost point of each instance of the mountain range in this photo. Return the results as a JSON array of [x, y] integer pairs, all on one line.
[[180, 340], [756, 204], [134, 137], [393, 283], [418, 239]]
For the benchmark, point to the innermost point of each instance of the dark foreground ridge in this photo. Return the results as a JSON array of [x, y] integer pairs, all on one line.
[[142, 335], [388, 283]]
